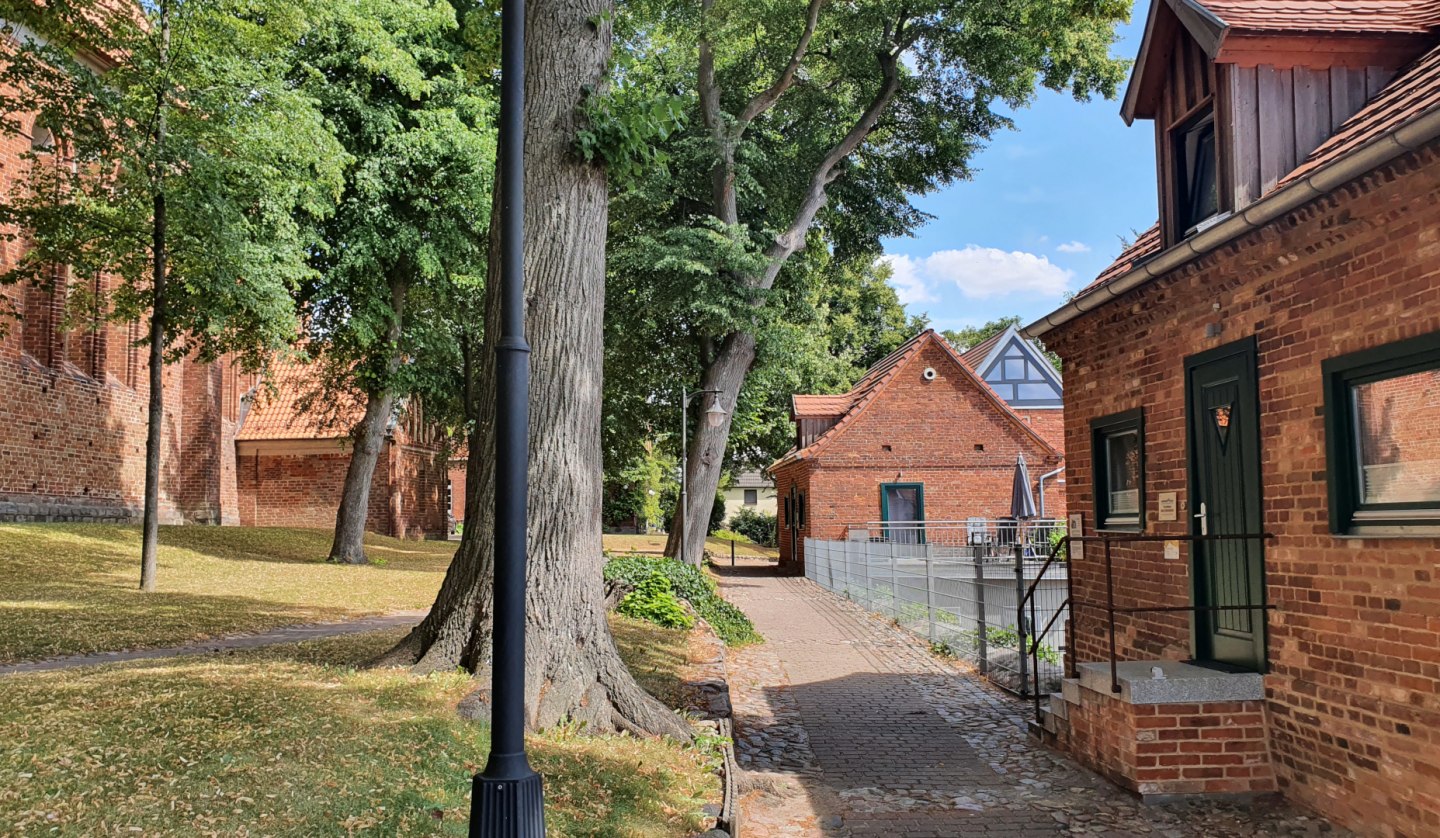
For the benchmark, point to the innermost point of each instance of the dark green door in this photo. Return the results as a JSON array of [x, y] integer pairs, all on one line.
[[1224, 435]]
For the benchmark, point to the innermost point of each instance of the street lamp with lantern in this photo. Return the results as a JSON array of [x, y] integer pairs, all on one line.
[[714, 417]]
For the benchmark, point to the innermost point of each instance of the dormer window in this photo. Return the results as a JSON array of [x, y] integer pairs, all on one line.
[[1196, 186]]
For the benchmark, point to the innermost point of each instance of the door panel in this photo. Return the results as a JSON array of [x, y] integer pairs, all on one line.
[[1225, 500]]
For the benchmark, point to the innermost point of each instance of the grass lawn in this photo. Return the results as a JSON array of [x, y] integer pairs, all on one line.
[[293, 741], [719, 545], [73, 588]]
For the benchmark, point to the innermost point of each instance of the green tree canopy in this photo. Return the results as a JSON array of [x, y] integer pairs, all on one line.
[[400, 250]]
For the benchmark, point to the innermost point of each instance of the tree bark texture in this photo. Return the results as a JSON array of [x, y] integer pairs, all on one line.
[[573, 670], [367, 439]]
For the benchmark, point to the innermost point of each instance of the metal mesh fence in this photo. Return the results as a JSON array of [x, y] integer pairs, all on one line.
[[958, 587]]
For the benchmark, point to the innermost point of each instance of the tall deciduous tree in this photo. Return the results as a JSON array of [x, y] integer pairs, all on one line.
[[573, 669], [183, 168], [824, 117], [391, 80]]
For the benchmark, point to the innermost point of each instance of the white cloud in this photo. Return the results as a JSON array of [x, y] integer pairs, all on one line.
[[977, 272], [1073, 247], [990, 272], [905, 276]]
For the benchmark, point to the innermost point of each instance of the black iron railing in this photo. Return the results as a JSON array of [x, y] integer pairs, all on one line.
[[1073, 607]]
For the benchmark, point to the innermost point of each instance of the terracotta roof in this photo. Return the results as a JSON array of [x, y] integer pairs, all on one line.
[[819, 407], [1144, 246], [980, 351], [878, 376], [279, 413], [1412, 93], [1377, 16]]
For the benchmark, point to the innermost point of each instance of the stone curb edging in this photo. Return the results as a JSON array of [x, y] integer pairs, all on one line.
[[707, 694]]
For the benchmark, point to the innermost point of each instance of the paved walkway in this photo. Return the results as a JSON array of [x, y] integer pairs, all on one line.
[[284, 634], [848, 726]]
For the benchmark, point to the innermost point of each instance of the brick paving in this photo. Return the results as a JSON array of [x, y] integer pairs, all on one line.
[[848, 726]]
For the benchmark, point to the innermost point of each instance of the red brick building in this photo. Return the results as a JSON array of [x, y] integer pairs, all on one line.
[[292, 462], [921, 437], [1266, 360]]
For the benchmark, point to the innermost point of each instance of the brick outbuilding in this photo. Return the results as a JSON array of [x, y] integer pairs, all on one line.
[[292, 461], [1264, 366], [922, 437]]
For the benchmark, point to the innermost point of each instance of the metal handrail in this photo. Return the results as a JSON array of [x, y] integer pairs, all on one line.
[[1074, 606]]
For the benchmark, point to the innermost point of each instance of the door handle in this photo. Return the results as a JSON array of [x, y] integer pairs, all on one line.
[[1204, 519]]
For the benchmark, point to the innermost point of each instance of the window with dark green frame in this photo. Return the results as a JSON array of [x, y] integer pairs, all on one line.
[[903, 503], [1382, 439], [1118, 454]]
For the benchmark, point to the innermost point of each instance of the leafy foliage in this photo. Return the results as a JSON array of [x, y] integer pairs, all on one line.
[[755, 525], [691, 584], [653, 600], [406, 242], [205, 118]]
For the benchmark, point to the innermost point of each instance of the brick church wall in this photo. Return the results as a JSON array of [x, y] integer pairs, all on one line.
[[1353, 718]]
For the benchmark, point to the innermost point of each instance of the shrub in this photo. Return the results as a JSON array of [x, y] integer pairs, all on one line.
[[690, 584], [653, 600], [755, 525]]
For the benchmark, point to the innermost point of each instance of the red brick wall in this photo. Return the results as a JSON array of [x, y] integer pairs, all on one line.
[[418, 493], [1354, 688], [942, 433], [456, 475], [73, 411], [1164, 749], [299, 485]]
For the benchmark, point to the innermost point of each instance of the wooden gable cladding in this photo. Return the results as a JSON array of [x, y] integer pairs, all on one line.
[[1273, 117], [1188, 90]]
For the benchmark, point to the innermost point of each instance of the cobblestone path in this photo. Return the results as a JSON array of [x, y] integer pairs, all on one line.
[[848, 726]]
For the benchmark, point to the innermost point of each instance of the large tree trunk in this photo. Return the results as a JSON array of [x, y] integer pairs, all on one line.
[[573, 670], [707, 448], [367, 439]]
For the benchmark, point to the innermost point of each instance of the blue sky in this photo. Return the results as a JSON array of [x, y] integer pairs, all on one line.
[[1042, 214]]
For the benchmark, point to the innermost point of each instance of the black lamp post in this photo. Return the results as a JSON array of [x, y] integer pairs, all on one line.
[[507, 799]]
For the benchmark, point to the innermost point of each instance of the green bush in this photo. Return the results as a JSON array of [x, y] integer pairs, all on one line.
[[690, 584], [653, 600], [757, 526]]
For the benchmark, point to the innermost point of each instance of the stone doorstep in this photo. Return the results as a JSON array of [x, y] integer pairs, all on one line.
[[1182, 683]]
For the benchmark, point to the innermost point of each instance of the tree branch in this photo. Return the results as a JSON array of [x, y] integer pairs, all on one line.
[[767, 98], [793, 238]]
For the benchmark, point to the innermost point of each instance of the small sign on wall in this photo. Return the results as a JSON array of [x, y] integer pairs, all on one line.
[[1077, 529], [1166, 509], [1172, 549]]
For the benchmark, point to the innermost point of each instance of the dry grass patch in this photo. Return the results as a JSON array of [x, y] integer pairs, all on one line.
[[72, 588], [293, 741], [655, 543]]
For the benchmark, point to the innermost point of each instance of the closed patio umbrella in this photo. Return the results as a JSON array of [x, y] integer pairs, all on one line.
[[1022, 503]]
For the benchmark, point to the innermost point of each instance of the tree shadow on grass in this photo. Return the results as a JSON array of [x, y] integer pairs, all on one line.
[[292, 738], [291, 545]]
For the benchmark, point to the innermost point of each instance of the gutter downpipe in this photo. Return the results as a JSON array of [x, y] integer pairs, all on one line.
[[1046, 476], [1327, 179]]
